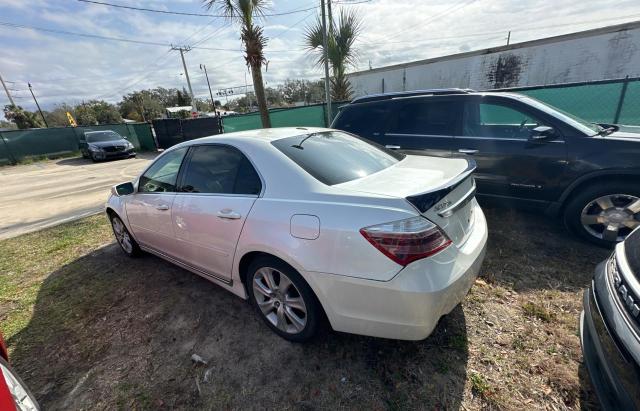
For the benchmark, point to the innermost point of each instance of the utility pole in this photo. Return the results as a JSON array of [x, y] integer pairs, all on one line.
[[327, 83], [186, 73], [329, 15], [213, 103], [6, 90], [38, 105], [508, 38]]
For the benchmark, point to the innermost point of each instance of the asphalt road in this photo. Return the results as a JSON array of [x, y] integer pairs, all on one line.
[[52, 192]]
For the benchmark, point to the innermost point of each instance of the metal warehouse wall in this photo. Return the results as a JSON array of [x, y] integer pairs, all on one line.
[[605, 53]]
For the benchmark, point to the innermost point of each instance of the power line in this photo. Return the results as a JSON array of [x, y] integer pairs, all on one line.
[[488, 33], [95, 36], [453, 8], [181, 13]]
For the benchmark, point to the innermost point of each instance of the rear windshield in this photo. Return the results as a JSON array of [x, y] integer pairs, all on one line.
[[101, 136], [333, 157]]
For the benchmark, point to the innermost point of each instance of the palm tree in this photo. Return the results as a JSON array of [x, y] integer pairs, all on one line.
[[340, 50], [253, 38]]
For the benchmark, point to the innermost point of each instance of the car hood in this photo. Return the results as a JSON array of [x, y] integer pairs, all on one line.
[[122, 142], [629, 133]]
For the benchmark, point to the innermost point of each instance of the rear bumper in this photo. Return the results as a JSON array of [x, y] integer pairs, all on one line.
[[409, 306], [613, 372]]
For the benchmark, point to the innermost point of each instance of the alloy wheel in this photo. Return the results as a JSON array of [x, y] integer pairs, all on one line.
[[611, 217], [279, 300], [122, 235]]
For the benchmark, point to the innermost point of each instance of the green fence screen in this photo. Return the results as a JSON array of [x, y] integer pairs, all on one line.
[[607, 101], [15, 145], [306, 116]]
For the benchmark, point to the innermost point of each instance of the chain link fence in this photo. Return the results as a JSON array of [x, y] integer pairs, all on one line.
[[608, 101]]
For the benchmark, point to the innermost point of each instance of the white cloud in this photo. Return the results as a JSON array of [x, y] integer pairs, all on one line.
[[68, 68]]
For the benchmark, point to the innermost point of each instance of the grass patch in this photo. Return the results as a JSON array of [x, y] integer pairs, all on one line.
[[29, 259], [44, 157], [534, 310]]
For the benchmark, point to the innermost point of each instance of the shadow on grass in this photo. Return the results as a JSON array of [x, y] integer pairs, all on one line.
[[529, 251], [111, 332]]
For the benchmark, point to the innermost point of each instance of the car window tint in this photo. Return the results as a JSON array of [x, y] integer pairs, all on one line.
[[497, 121], [161, 176], [334, 157], [364, 120], [219, 170], [420, 116]]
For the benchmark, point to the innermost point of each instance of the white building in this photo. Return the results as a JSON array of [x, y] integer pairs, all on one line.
[[605, 53]]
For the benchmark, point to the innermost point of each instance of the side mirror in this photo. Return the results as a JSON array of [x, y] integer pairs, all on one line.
[[542, 133], [122, 189]]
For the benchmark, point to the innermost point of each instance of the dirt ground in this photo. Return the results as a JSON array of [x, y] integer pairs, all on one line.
[[46, 193], [102, 331]]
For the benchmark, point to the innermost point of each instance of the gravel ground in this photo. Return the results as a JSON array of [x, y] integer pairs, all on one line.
[[89, 328]]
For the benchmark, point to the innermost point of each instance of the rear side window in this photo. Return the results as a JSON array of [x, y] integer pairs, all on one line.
[[333, 157], [217, 169], [364, 120], [421, 116]]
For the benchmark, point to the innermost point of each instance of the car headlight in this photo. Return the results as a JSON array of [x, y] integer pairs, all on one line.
[[95, 148], [129, 145]]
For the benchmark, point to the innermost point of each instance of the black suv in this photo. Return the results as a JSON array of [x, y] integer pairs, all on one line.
[[528, 154], [610, 327]]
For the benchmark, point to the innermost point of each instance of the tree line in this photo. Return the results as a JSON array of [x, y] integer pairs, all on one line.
[[146, 105]]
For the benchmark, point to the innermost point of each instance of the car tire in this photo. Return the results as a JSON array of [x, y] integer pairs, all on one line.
[[294, 313], [604, 213], [17, 387], [125, 240], [93, 157]]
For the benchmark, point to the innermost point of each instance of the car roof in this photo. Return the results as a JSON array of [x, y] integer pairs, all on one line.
[[257, 136], [429, 93], [98, 131]]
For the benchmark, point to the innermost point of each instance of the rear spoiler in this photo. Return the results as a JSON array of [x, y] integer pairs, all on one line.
[[426, 200]]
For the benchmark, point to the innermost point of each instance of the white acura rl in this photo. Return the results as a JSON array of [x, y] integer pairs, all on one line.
[[311, 223]]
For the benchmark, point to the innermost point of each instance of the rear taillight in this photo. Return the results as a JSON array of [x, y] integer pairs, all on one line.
[[407, 240]]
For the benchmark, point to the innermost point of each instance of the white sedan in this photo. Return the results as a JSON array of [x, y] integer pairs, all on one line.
[[312, 224]]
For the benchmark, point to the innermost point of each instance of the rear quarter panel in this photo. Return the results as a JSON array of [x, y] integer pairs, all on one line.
[[339, 249]]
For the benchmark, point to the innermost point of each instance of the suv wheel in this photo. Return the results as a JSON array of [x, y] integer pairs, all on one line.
[[283, 299], [605, 213]]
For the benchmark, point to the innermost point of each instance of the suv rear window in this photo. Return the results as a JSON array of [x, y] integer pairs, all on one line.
[[333, 157]]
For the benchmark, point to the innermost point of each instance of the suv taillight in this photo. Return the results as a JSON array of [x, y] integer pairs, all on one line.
[[407, 240]]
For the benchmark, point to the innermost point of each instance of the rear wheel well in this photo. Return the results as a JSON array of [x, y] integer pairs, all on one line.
[[601, 179], [243, 268]]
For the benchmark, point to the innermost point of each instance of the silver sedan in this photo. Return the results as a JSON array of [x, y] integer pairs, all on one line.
[[312, 225]]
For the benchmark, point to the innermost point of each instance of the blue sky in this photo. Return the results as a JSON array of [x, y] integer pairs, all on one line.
[[65, 68]]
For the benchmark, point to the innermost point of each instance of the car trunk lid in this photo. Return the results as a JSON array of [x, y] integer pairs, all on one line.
[[440, 189]]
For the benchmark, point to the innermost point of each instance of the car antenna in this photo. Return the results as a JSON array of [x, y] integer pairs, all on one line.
[[299, 145]]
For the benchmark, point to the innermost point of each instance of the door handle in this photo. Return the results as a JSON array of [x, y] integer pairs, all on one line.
[[393, 147], [162, 207], [228, 214], [467, 151]]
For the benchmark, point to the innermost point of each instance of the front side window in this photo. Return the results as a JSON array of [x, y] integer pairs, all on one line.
[[162, 175], [421, 116], [333, 157], [497, 121], [219, 170]]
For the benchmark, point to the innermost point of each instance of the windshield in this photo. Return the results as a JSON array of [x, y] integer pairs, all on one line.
[[101, 136], [333, 157], [574, 121]]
